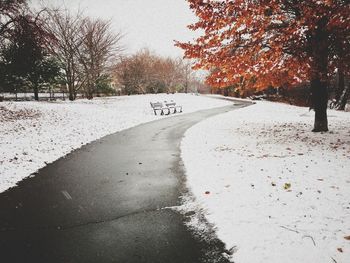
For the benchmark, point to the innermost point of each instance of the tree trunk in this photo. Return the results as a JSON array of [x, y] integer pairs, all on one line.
[[71, 92], [89, 90], [36, 92], [70, 83], [319, 79], [225, 92], [344, 98], [340, 86], [319, 99], [89, 96]]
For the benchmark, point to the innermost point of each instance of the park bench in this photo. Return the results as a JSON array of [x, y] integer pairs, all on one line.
[[158, 106], [172, 105], [166, 108]]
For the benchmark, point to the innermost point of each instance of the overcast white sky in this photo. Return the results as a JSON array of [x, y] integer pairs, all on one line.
[[145, 23]]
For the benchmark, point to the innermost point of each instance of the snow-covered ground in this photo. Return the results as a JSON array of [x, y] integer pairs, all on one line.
[[33, 134], [274, 191]]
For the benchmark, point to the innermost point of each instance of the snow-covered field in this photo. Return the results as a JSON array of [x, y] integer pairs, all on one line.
[[33, 134], [274, 191]]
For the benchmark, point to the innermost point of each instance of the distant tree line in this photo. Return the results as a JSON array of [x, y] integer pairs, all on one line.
[[145, 72], [55, 49]]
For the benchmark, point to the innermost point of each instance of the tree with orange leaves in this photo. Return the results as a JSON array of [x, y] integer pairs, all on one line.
[[273, 43]]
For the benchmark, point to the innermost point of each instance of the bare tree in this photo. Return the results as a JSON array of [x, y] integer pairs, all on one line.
[[133, 73], [66, 28], [98, 45], [187, 73], [9, 11], [345, 95], [145, 72]]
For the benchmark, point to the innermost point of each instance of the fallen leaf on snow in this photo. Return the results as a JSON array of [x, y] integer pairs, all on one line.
[[287, 186], [347, 238]]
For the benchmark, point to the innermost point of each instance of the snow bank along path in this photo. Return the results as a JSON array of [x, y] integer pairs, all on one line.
[[274, 191], [33, 134]]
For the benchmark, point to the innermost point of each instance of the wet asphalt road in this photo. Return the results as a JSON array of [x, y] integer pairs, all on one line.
[[105, 203]]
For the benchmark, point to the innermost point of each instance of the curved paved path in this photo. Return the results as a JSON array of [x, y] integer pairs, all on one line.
[[103, 203]]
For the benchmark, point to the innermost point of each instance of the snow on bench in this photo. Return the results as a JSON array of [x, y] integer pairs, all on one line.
[[159, 106], [172, 105]]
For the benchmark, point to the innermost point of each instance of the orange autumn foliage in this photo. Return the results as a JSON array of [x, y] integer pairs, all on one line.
[[272, 42]]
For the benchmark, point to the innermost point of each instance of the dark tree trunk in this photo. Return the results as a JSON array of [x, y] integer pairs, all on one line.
[[319, 79], [71, 89], [88, 90], [71, 92], [225, 92], [36, 92], [70, 82], [319, 99]]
